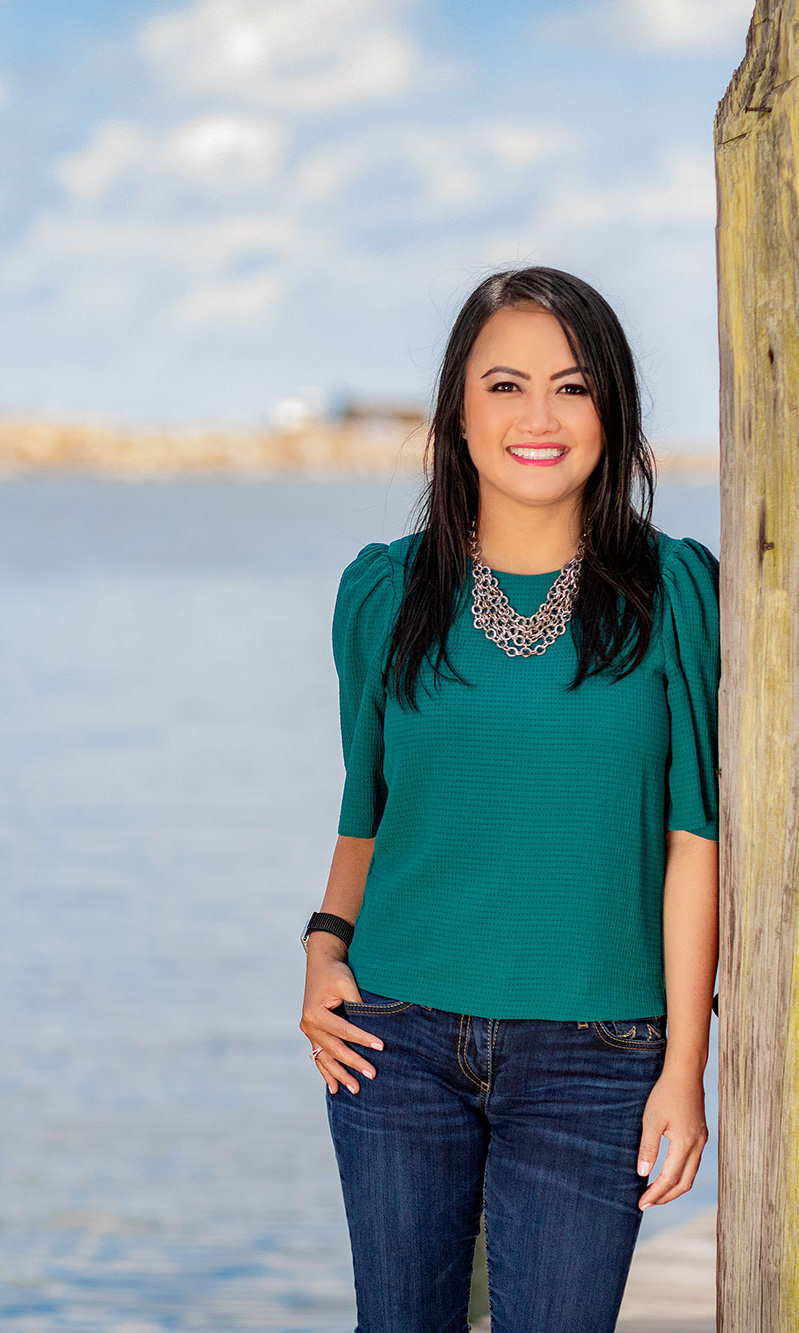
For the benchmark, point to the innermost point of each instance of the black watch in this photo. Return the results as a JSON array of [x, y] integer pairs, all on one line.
[[334, 925]]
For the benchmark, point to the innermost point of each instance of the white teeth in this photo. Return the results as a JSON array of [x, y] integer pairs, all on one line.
[[537, 453]]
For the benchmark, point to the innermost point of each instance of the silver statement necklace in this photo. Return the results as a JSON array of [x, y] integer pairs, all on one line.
[[518, 635]]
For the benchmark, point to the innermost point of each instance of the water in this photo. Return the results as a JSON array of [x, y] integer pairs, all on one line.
[[170, 774]]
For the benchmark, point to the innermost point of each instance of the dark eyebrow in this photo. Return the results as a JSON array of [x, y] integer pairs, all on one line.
[[508, 370]]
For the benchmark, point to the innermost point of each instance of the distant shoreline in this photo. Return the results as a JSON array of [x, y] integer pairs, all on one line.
[[322, 451]]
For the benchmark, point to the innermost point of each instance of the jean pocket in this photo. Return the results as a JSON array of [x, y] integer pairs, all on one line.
[[371, 1003], [643, 1034]]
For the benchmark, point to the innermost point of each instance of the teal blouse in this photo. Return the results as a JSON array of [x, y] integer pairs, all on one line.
[[519, 828]]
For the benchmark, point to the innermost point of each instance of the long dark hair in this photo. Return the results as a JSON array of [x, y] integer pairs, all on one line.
[[620, 560]]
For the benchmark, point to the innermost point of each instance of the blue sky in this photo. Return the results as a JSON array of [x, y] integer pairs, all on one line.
[[211, 206]]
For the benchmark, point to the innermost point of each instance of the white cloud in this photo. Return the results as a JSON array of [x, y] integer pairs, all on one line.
[[221, 152], [447, 169], [124, 238], [179, 273], [227, 301], [115, 148], [669, 26], [682, 191], [684, 25], [217, 216], [222, 215], [298, 55], [633, 220], [226, 149], [235, 269]]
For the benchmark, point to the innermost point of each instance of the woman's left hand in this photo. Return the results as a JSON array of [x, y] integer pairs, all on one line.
[[675, 1108]]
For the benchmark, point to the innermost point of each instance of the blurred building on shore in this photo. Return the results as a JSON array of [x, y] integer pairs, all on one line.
[[362, 437]]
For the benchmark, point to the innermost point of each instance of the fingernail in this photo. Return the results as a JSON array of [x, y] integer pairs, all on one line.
[[368, 1072], [645, 1205], [644, 1168], [376, 1045], [352, 1087]]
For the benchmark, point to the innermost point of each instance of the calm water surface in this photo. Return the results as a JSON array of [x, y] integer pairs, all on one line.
[[170, 774]]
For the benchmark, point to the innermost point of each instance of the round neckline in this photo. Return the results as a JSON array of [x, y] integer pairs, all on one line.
[[510, 574]]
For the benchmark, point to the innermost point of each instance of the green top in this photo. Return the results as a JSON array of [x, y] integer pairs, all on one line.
[[520, 828]]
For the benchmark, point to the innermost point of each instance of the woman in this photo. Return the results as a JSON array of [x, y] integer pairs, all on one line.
[[527, 842]]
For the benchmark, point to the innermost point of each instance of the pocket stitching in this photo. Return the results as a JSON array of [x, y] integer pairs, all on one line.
[[619, 1043]]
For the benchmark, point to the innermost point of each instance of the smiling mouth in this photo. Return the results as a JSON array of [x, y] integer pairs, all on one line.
[[535, 451]]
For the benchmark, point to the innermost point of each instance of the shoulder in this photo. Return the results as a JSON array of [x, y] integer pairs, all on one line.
[[370, 588], [690, 591], [687, 566], [382, 563], [379, 561], [366, 586], [403, 549], [370, 565]]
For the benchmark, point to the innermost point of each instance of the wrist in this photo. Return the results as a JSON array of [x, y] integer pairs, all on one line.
[[331, 924], [690, 1061], [322, 945]]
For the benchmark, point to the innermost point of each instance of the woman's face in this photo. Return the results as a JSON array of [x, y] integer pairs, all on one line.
[[523, 399]]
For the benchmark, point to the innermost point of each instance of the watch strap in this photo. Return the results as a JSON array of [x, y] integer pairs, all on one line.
[[334, 925]]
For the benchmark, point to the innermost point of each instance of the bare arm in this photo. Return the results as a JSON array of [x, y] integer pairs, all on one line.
[[328, 979], [344, 892], [690, 945], [676, 1106]]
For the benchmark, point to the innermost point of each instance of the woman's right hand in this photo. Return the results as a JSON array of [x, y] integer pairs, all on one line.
[[328, 982]]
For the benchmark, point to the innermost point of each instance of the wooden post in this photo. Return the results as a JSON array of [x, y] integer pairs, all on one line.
[[757, 236]]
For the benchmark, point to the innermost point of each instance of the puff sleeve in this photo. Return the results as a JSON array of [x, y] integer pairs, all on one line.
[[362, 621], [692, 667]]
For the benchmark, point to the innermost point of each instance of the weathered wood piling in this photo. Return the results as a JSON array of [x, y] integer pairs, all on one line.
[[757, 234]]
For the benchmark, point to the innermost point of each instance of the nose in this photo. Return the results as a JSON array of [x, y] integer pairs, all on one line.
[[539, 416]]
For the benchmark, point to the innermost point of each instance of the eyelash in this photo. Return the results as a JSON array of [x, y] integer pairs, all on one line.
[[505, 384]]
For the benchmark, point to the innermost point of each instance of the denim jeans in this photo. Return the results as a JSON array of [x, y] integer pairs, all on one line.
[[535, 1121]]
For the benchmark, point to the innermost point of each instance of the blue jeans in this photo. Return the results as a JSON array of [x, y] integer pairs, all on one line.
[[535, 1121]]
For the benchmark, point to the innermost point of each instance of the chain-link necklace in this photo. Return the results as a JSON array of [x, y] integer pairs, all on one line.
[[517, 635]]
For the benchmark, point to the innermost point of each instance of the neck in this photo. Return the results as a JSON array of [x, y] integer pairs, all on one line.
[[527, 542]]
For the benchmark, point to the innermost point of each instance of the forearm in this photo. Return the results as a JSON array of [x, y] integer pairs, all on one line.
[[344, 892], [690, 944]]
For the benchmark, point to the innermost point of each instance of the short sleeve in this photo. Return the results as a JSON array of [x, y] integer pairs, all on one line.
[[362, 620], [692, 665]]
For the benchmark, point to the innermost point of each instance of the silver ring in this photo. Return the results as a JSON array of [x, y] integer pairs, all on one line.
[[317, 1050]]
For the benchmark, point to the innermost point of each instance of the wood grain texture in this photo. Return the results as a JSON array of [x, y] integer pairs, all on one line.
[[757, 236]]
